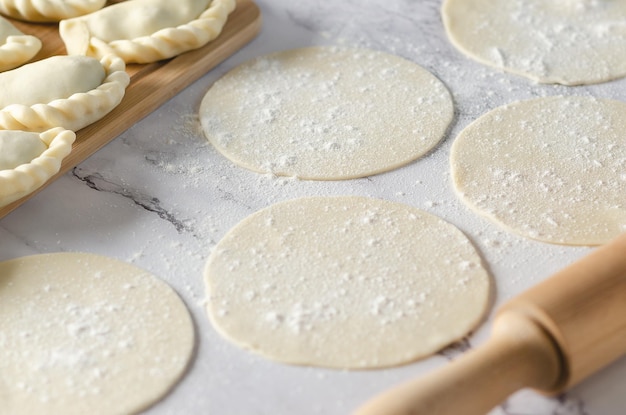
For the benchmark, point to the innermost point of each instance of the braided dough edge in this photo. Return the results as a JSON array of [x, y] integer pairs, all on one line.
[[48, 11], [26, 178], [162, 44], [76, 111]]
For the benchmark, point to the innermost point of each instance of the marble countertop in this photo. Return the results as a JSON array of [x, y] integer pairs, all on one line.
[[160, 197]]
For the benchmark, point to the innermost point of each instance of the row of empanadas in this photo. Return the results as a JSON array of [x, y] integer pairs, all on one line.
[[138, 31], [41, 104]]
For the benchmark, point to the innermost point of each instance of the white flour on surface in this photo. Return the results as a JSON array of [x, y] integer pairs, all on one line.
[[166, 159]]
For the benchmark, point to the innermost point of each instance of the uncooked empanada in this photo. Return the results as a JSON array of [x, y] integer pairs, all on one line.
[[19, 147], [16, 48], [29, 159], [48, 10], [142, 31], [62, 91]]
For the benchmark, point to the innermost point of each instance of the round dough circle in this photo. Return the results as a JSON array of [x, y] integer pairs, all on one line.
[[86, 334], [326, 113], [345, 282], [568, 42], [552, 169]]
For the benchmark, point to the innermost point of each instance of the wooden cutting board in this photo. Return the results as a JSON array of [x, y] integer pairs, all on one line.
[[151, 85]]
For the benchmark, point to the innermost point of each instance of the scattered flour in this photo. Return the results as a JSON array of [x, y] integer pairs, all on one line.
[[548, 168], [346, 282], [567, 42], [81, 333], [326, 113]]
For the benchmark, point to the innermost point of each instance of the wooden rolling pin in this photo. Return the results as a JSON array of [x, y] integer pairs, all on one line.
[[547, 338]]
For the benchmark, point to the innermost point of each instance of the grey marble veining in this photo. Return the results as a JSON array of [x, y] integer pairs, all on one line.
[[152, 204], [159, 196]]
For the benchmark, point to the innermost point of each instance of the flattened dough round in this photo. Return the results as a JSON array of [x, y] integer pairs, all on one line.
[[326, 113], [345, 282], [552, 169], [86, 334], [568, 42]]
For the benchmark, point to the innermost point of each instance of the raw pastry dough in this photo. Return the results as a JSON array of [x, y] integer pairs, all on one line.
[[85, 334], [48, 10], [19, 147], [569, 42], [16, 48], [84, 90], [345, 282], [28, 160], [144, 31], [552, 169], [326, 113]]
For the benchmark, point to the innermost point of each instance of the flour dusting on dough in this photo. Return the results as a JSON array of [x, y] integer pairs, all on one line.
[[87, 334], [326, 113], [345, 282], [550, 168], [569, 42]]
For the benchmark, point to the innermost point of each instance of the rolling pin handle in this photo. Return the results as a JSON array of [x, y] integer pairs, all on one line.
[[519, 354]]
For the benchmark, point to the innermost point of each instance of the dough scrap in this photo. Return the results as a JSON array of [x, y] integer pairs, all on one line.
[[567, 42], [143, 31], [85, 334], [28, 160], [326, 113], [16, 47], [345, 282], [48, 10], [551, 169], [84, 91]]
